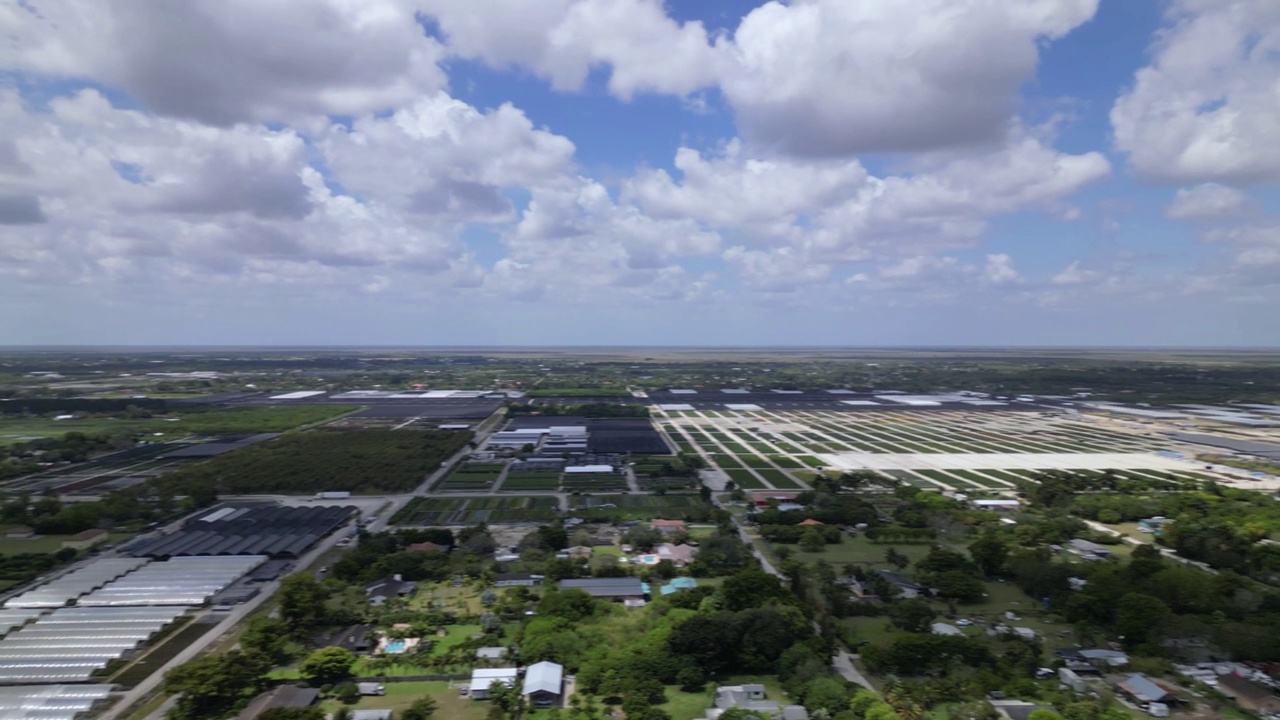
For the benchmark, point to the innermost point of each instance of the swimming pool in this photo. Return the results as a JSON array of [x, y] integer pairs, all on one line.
[[649, 559], [395, 646]]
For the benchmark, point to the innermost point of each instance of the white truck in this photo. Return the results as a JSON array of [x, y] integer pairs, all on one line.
[[333, 495]]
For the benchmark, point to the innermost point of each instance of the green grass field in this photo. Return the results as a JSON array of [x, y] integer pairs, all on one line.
[[400, 695]]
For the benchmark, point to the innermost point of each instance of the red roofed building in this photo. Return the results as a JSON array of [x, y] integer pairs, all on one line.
[[762, 499], [811, 521], [425, 546]]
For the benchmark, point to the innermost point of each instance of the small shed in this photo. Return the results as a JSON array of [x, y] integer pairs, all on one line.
[[85, 539]]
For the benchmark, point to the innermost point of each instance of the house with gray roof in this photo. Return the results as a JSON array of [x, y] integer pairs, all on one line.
[[619, 589], [544, 684]]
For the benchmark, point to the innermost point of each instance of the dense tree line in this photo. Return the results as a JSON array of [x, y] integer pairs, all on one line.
[[131, 508], [587, 410], [356, 460]]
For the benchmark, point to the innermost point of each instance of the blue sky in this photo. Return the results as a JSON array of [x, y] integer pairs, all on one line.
[[818, 172]]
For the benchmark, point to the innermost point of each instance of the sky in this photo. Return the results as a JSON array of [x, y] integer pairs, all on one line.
[[635, 172]]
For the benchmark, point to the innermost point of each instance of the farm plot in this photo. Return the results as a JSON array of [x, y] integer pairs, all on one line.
[[472, 476], [640, 507], [470, 511], [593, 483], [525, 481]]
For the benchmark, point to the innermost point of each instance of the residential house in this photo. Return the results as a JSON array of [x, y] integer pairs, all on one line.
[[491, 654], [578, 551], [752, 698], [997, 505], [1088, 550], [617, 589], [746, 697], [371, 689], [380, 591], [19, 532], [482, 680], [1154, 525], [427, 547], [944, 629], [678, 584], [1105, 658], [1252, 696], [85, 539], [907, 590], [1142, 691], [668, 527], [282, 696], [680, 555], [356, 638], [810, 522], [517, 580], [544, 684], [1024, 633], [763, 499], [370, 715]]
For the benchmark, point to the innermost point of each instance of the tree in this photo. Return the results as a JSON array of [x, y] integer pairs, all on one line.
[[990, 552], [642, 538], [811, 540], [346, 692], [958, 585], [896, 559], [826, 693], [572, 604], [1139, 616], [751, 588], [342, 713], [328, 665], [301, 713], [488, 598], [421, 709], [302, 603], [213, 685], [914, 615], [266, 635], [1043, 714]]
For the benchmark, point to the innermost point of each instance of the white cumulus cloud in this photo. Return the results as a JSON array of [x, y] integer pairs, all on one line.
[[1205, 108]]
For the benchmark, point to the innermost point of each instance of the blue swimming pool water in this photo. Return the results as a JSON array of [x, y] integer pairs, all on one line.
[[395, 646], [649, 559]]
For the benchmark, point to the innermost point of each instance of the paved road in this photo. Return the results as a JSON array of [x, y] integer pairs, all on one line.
[[152, 683], [1169, 553], [842, 660]]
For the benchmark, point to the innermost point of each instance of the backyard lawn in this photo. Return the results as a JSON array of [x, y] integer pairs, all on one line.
[[400, 696]]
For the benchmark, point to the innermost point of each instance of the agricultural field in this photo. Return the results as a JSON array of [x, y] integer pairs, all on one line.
[[472, 477], [979, 452], [422, 511], [593, 483], [528, 481], [355, 460], [637, 507]]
